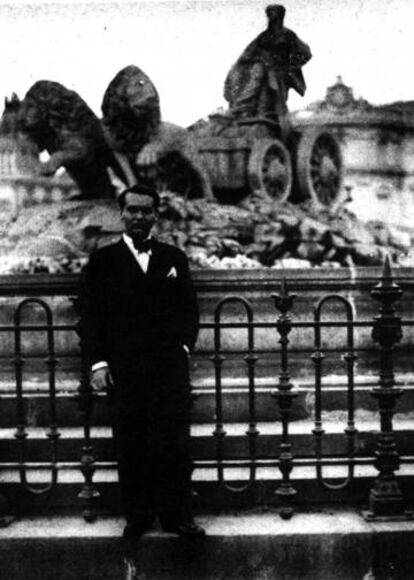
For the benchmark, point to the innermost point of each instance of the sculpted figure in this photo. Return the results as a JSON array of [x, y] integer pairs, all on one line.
[[146, 147], [59, 121], [259, 82], [8, 121]]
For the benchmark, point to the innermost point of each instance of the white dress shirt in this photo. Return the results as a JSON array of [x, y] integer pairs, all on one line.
[[142, 258]]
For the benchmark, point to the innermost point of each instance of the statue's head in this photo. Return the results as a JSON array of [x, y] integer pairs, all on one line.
[[130, 106], [33, 112], [133, 91], [275, 12], [50, 112], [140, 92]]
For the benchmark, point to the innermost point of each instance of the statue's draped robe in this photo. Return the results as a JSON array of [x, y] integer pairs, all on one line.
[[258, 83]]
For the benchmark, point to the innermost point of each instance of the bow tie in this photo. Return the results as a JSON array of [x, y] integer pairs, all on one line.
[[142, 246]]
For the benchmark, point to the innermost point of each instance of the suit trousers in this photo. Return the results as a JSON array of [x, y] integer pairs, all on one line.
[[150, 408]]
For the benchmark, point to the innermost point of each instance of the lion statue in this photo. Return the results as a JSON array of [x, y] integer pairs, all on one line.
[[59, 121], [144, 145]]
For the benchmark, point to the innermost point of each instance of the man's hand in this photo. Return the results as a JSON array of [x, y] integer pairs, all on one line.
[[101, 379]]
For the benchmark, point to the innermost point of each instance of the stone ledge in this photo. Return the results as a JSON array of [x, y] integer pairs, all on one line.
[[334, 544], [249, 523]]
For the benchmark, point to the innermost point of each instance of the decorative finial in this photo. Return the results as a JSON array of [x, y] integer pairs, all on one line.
[[386, 271]]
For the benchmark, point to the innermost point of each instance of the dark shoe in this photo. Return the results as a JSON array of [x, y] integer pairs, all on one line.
[[190, 529]]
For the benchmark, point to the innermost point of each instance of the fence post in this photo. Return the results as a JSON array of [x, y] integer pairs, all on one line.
[[85, 399], [386, 499], [285, 396], [5, 517]]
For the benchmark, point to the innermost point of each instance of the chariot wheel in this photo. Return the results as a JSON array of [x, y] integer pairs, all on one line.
[[270, 168], [319, 167]]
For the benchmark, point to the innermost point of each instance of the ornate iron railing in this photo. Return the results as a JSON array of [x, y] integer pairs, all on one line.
[[250, 358], [386, 498], [349, 357], [18, 363]]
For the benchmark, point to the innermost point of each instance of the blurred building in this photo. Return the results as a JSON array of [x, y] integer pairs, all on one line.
[[378, 148]]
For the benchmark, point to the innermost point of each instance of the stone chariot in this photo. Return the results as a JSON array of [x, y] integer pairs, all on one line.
[[287, 162]]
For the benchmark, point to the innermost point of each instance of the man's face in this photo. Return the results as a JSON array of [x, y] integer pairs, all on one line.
[[138, 215]]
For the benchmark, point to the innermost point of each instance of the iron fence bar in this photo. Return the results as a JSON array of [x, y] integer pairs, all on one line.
[[210, 325], [318, 358], [297, 462], [299, 324], [285, 395], [5, 517], [20, 434], [250, 358], [37, 327], [85, 399], [386, 499], [53, 433], [228, 462], [21, 429], [219, 433], [350, 359], [258, 463], [302, 349], [292, 350]]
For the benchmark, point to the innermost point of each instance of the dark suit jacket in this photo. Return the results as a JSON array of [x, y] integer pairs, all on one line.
[[125, 311]]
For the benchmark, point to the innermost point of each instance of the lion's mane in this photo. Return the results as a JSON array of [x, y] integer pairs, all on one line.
[[130, 128]]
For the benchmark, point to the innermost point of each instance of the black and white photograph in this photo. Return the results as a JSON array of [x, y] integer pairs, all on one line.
[[206, 290]]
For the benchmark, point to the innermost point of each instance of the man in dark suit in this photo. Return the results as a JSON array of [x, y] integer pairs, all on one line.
[[140, 324]]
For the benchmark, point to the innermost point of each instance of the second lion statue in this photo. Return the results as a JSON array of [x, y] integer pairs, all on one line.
[[144, 145]]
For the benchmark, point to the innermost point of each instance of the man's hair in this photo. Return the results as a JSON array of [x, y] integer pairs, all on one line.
[[140, 189], [275, 11]]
